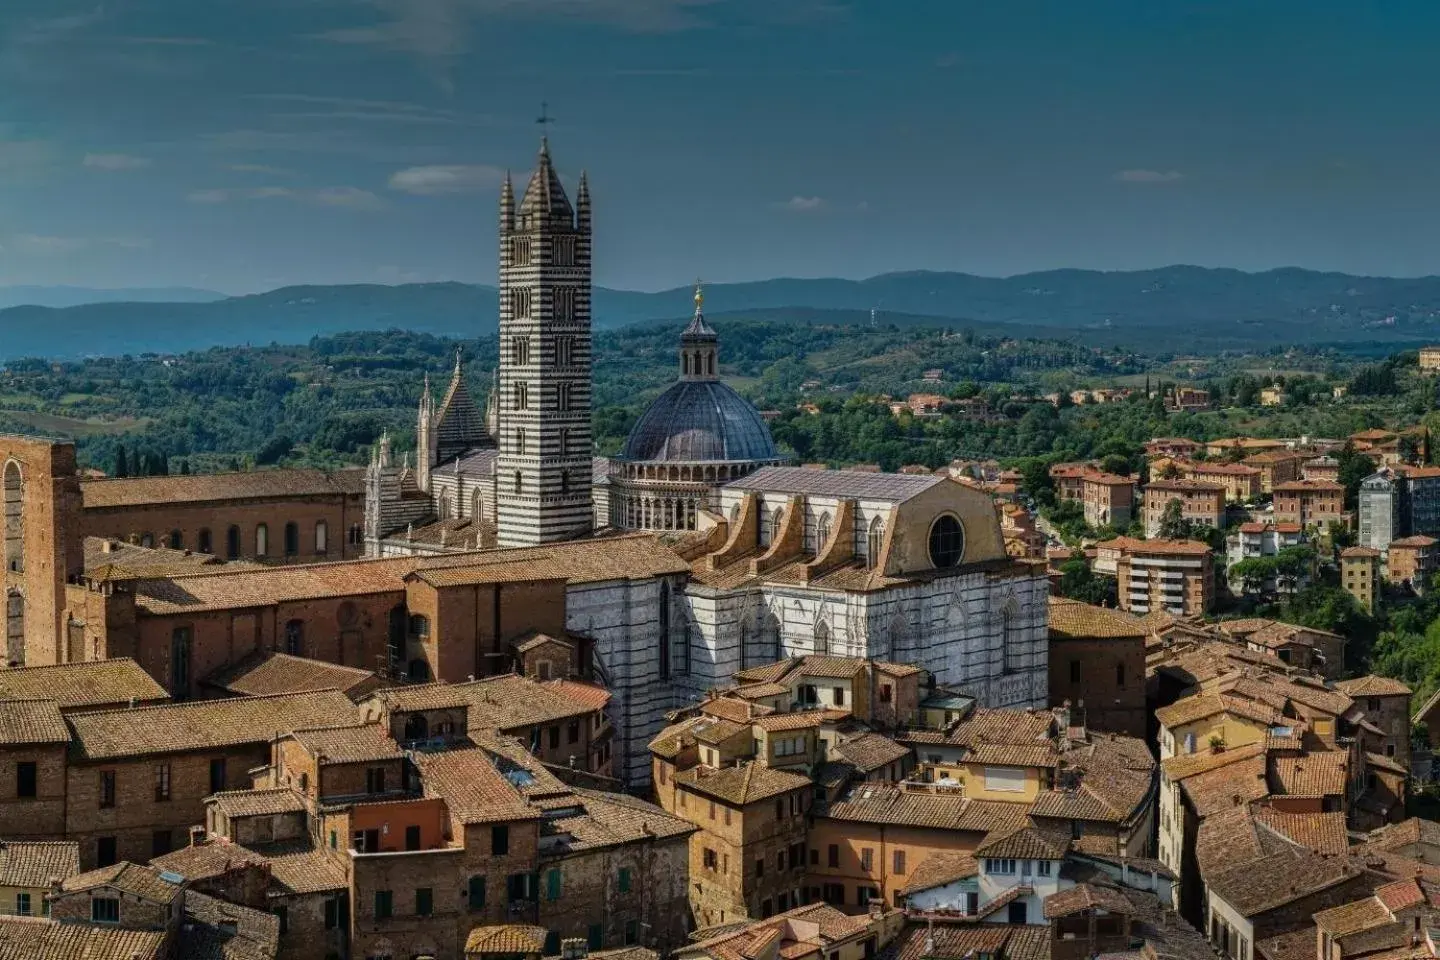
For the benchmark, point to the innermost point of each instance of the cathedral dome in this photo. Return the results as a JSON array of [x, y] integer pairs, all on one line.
[[700, 420]]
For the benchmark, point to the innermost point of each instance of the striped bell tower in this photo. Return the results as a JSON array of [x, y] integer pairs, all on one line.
[[543, 473]]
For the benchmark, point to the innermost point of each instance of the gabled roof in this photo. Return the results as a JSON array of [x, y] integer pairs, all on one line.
[[1086, 896], [265, 672], [25, 938], [350, 743], [870, 751], [90, 683], [507, 938], [1072, 619], [1372, 685], [939, 869], [513, 702], [1026, 842], [747, 783], [147, 883], [203, 725], [32, 722], [34, 863], [474, 789], [204, 488]]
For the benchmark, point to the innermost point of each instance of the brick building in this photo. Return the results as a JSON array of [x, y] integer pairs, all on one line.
[[1360, 575], [1241, 482], [1324, 467], [1386, 703], [1200, 502], [1176, 576], [1097, 666], [1276, 467], [1413, 560], [1314, 504], [268, 515]]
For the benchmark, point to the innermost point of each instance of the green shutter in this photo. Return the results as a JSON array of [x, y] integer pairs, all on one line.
[[597, 936], [382, 904], [552, 942], [552, 884], [624, 879], [477, 893]]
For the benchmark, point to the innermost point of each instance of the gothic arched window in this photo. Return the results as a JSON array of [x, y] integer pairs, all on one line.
[[1009, 636], [822, 638], [874, 541], [822, 532]]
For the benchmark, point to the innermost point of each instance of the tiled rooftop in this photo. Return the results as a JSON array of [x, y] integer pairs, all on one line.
[[139, 881], [203, 725], [93, 683], [203, 488], [30, 938], [894, 487], [351, 743], [265, 673], [474, 789], [747, 783], [1372, 685], [512, 702], [870, 751], [257, 803], [1073, 619], [897, 805], [31, 863], [32, 722]]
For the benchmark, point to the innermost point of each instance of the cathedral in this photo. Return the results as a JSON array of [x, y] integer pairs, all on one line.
[[783, 560]]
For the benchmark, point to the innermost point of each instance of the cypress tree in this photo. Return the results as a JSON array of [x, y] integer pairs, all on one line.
[[122, 465]]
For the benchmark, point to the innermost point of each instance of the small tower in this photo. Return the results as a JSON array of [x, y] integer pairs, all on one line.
[[425, 451], [544, 470], [699, 344]]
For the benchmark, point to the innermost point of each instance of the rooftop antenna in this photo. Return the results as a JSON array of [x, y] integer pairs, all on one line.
[[544, 120]]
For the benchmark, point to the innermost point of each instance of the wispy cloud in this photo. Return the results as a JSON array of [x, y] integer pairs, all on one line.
[[260, 169], [1149, 176], [368, 111], [43, 245], [443, 179], [799, 204], [441, 28], [341, 198], [168, 41], [115, 161], [20, 155]]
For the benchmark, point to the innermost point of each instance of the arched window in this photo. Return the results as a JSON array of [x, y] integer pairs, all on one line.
[[419, 672], [292, 539], [522, 395], [14, 518], [947, 542], [419, 626], [765, 529], [294, 637], [180, 663], [518, 485], [447, 505], [304, 782], [777, 523], [204, 542], [562, 396], [177, 540], [822, 532], [232, 543], [520, 442], [822, 638], [520, 350], [564, 441], [685, 363], [322, 536], [416, 726], [874, 541], [262, 540], [477, 505]]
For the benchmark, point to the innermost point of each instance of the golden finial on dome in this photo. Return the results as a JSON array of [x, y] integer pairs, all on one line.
[[699, 295]]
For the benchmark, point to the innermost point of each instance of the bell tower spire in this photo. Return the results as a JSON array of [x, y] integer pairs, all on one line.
[[699, 344], [544, 470]]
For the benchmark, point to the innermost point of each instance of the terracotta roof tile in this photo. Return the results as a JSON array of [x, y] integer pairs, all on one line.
[[734, 709], [203, 725], [265, 673], [299, 868], [1026, 842], [421, 696], [777, 722], [94, 683], [715, 730], [841, 668], [513, 702], [212, 858], [1086, 896], [1225, 787], [1400, 895], [870, 751], [132, 878], [27, 938], [670, 741], [630, 557], [1283, 877], [890, 803], [256, 803], [1353, 917], [32, 722], [215, 929], [473, 787], [1072, 619], [32, 863], [939, 869], [1372, 685], [1319, 774], [350, 743], [509, 938], [748, 783], [1321, 832], [205, 488], [1013, 754]]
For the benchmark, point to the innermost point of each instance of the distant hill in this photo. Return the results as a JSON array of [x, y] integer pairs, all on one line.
[[1172, 308], [75, 296]]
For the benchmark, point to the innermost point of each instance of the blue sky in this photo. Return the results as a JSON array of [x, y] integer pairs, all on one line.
[[246, 144]]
